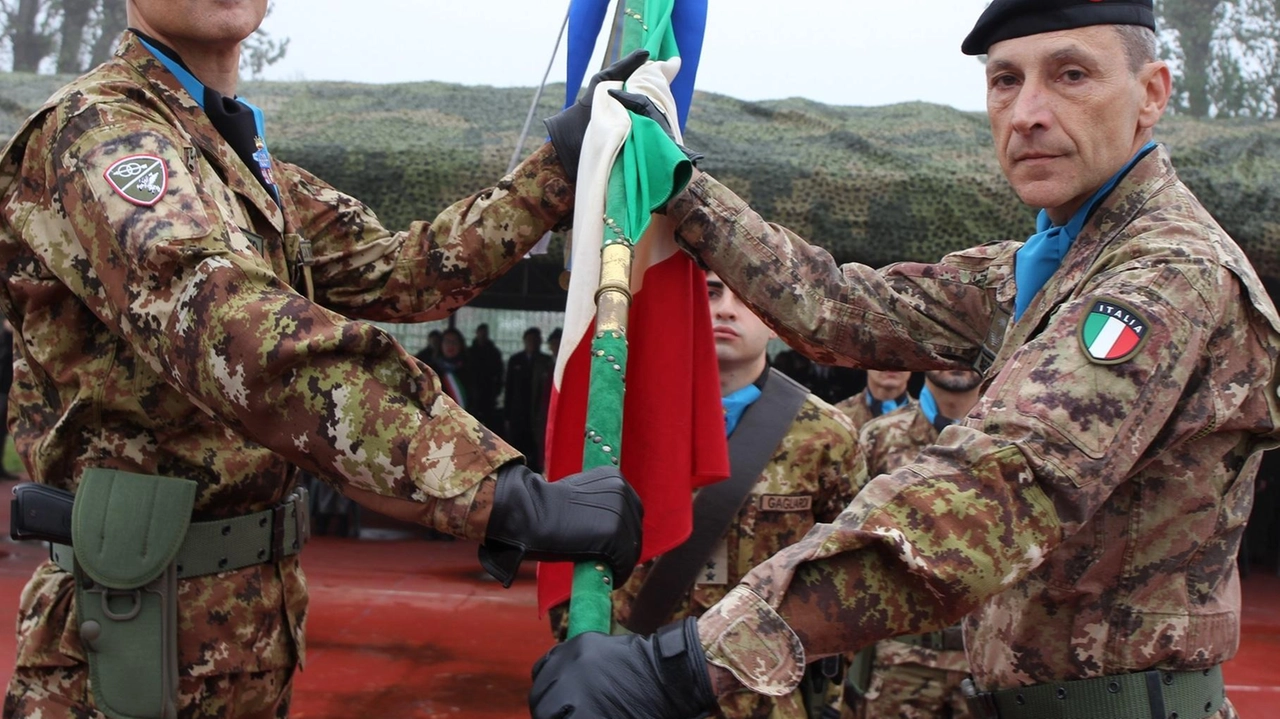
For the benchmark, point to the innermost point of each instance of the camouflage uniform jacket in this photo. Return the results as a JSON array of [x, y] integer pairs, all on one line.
[[1088, 515], [166, 339], [817, 463], [857, 409], [889, 442]]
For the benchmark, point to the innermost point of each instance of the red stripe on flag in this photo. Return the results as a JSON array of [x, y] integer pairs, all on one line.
[[673, 437], [1125, 343]]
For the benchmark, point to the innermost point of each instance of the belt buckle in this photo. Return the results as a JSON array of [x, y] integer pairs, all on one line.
[[981, 704]]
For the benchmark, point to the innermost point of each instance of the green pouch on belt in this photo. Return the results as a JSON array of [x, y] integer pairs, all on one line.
[[857, 681], [126, 531]]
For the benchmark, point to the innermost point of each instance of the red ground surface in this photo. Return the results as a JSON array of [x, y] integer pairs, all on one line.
[[406, 629]]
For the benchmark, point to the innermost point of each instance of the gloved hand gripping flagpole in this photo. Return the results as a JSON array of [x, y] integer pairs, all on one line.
[[590, 608], [646, 167]]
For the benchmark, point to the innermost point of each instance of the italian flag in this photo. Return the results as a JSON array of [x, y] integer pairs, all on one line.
[[673, 438], [1111, 332]]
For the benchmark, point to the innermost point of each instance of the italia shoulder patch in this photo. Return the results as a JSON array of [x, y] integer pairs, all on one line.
[[140, 179], [1112, 332]]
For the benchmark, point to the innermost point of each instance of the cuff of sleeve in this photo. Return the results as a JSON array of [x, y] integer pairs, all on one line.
[[452, 515], [744, 635], [701, 213], [553, 186]]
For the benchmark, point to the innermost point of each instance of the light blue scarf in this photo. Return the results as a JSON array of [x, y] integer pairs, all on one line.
[[928, 405], [888, 405], [735, 403], [1040, 257], [197, 89]]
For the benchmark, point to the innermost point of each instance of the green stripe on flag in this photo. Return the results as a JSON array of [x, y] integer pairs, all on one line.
[[1093, 327]]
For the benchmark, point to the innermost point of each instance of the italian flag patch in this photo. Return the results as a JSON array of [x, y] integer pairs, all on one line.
[[1112, 333]]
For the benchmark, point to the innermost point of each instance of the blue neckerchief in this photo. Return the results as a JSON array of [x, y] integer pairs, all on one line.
[[197, 90], [929, 406], [886, 406], [1040, 257], [735, 403], [194, 87]]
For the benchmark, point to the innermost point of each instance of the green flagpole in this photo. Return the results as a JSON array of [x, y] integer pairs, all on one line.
[[648, 171]]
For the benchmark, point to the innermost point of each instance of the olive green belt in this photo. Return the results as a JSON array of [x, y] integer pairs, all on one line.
[[228, 544], [1143, 695]]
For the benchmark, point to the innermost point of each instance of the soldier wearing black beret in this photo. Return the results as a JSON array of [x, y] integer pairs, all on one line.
[[1005, 19], [1084, 519]]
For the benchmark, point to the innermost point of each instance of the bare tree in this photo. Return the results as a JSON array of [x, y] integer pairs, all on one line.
[[26, 28], [1248, 61], [1194, 23], [75, 19], [1225, 55], [260, 50], [81, 33], [111, 21]]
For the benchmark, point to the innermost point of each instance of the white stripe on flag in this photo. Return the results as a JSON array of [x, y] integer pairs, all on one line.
[[609, 128], [1106, 338], [610, 124]]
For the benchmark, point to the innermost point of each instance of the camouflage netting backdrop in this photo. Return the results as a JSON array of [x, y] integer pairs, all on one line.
[[876, 185]]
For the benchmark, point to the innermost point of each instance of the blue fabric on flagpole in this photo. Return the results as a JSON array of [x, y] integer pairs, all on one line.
[[586, 17], [689, 24]]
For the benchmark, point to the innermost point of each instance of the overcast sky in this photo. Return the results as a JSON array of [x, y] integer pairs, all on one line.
[[842, 52]]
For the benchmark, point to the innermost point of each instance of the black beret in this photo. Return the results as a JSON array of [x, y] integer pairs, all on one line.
[[1006, 19]]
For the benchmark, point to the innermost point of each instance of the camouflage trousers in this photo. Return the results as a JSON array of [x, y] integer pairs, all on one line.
[[909, 691], [63, 693]]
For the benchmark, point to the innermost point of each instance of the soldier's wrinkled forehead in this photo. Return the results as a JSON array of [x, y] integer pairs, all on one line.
[[142, 186]]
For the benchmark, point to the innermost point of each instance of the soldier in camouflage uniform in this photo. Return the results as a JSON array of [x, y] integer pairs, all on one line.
[[916, 676], [810, 478], [1086, 516], [886, 391], [151, 248]]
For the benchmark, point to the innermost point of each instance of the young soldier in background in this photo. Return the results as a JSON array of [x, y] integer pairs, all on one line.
[[795, 462], [915, 676], [886, 392]]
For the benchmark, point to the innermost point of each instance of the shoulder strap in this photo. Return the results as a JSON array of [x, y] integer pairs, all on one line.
[[751, 446]]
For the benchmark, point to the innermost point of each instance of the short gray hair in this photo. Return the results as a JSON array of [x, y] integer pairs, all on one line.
[[1139, 44]]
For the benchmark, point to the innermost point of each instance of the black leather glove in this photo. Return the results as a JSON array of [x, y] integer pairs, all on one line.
[[594, 515], [568, 126], [595, 675], [643, 106]]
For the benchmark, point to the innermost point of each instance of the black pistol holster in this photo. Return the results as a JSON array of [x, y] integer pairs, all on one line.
[[127, 530]]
